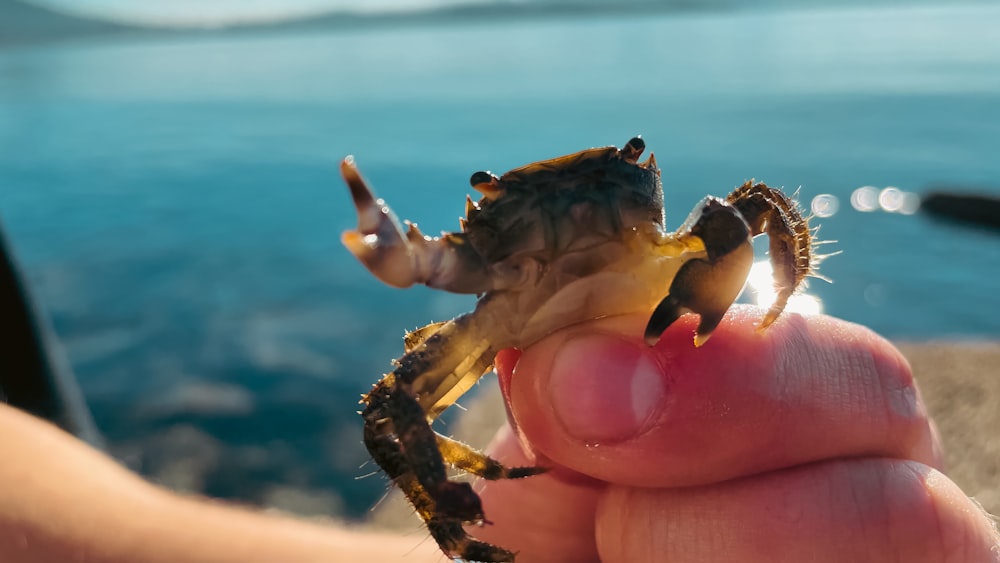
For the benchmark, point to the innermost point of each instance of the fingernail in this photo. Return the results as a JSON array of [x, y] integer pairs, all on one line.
[[504, 365], [605, 389]]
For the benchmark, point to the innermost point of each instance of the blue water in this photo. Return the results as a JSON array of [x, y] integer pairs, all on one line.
[[177, 206]]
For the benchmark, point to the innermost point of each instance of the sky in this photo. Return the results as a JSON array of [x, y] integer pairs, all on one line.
[[222, 12]]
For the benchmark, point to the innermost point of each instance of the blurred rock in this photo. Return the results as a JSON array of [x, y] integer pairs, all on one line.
[[970, 209], [303, 501], [201, 397], [180, 457]]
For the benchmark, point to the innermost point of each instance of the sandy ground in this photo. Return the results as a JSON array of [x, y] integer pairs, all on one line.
[[961, 386], [960, 383]]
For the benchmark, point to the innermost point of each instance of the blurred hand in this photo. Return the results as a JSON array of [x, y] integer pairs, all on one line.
[[807, 442]]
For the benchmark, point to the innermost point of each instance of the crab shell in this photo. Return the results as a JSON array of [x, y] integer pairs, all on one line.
[[559, 241]]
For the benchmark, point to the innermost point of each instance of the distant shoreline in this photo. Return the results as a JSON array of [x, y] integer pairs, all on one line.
[[24, 24]]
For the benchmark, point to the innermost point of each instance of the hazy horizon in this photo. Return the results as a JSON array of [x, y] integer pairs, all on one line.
[[198, 13], [224, 13]]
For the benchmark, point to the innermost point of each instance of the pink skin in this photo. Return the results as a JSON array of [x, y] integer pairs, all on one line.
[[805, 442]]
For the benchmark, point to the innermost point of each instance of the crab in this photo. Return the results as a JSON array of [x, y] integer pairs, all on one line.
[[549, 245]]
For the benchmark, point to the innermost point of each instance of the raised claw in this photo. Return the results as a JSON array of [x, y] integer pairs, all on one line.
[[378, 242], [402, 259]]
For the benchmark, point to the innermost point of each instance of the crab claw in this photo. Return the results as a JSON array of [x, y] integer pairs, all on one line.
[[378, 242], [707, 286], [403, 259]]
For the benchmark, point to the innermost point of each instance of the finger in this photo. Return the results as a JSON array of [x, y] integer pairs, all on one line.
[[542, 518], [857, 510], [597, 400]]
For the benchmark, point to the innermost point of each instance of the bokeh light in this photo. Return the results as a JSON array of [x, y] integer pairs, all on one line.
[[910, 203], [825, 205], [889, 199], [865, 199]]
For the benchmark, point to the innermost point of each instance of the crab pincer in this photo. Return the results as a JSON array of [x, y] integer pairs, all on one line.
[[402, 259], [707, 286], [378, 242]]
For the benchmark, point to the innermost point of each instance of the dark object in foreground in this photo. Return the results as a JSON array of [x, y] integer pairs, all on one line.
[[979, 210], [549, 245], [33, 375]]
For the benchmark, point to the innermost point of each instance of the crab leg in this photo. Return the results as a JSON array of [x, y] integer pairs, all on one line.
[[769, 210], [397, 435], [417, 337], [464, 457], [402, 260], [447, 531], [437, 368]]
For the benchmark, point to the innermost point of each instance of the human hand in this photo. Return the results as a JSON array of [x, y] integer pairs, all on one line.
[[807, 442]]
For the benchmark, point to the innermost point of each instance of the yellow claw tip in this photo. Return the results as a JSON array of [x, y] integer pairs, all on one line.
[[355, 242], [767, 321], [701, 339]]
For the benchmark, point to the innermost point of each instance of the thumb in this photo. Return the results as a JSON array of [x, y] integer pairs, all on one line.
[[596, 400]]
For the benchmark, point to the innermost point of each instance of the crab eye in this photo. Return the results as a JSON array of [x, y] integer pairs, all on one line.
[[482, 177], [633, 149]]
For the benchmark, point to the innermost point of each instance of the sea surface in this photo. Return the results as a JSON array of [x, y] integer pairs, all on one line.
[[176, 203]]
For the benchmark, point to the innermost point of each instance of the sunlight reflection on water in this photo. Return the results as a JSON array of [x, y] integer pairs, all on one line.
[[761, 284], [889, 199], [825, 205]]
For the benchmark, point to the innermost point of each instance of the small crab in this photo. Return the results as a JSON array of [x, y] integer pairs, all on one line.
[[550, 244]]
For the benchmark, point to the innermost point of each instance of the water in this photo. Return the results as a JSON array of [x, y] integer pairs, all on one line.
[[177, 206]]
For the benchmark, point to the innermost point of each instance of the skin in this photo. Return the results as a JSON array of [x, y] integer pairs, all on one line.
[[72, 503], [807, 442]]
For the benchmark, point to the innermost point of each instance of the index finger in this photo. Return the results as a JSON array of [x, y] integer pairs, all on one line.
[[597, 400]]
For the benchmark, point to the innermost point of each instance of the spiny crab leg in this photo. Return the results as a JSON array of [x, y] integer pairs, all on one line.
[[401, 260], [768, 210]]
